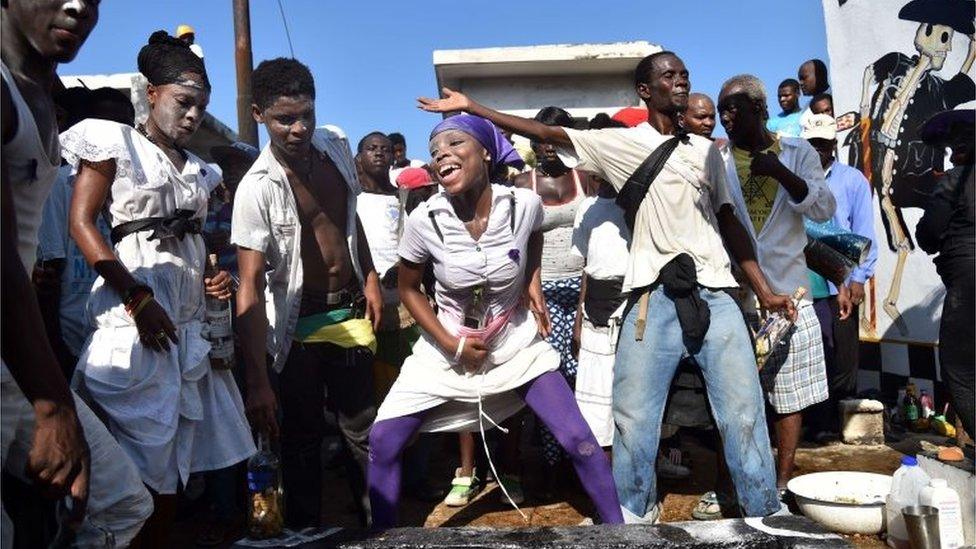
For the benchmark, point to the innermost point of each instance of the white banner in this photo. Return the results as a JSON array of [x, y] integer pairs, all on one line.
[[893, 64]]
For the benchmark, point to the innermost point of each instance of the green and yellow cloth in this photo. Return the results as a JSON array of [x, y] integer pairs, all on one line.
[[337, 327]]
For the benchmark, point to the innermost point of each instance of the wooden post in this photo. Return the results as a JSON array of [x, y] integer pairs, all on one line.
[[247, 128]]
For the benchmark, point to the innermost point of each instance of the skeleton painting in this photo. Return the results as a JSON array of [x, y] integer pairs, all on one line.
[[900, 91]]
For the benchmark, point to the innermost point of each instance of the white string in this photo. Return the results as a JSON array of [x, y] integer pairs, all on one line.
[[484, 441]]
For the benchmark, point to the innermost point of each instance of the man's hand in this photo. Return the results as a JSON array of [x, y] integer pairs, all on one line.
[[374, 300], [261, 408], [218, 286], [766, 164], [857, 293], [452, 101], [779, 303], [844, 302], [58, 461]]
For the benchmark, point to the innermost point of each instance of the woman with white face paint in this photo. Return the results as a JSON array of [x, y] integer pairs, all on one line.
[[146, 366], [481, 357]]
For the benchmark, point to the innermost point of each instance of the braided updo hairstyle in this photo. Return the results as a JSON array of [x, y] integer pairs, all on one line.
[[165, 59]]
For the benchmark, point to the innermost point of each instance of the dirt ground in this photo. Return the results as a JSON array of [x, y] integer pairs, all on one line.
[[569, 506]]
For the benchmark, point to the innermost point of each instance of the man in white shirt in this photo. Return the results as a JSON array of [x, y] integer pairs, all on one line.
[[298, 235], [775, 181], [682, 220]]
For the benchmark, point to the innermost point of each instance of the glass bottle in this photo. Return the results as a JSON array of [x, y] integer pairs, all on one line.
[[265, 494], [220, 330], [774, 329]]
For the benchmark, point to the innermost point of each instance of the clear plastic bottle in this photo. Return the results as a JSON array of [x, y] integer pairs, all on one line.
[[265, 494], [220, 329], [906, 484], [773, 329], [938, 494]]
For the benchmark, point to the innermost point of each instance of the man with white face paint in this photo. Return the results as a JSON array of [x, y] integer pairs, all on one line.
[[898, 93], [47, 434]]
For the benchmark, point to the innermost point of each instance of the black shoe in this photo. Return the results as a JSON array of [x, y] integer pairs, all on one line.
[[426, 493]]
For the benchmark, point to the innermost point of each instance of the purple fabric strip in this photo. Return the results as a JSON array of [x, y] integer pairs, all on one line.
[[487, 134]]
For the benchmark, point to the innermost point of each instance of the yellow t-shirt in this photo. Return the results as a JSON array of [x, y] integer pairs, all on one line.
[[759, 191]]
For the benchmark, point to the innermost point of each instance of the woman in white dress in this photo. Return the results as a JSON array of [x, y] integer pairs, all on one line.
[[482, 349], [146, 367]]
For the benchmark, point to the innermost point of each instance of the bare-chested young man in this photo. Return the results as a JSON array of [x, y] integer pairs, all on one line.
[[297, 232]]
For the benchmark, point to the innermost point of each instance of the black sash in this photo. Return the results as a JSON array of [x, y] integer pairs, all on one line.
[[176, 226], [603, 297]]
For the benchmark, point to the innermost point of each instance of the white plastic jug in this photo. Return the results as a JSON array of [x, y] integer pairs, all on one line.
[[938, 494], [906, 484]]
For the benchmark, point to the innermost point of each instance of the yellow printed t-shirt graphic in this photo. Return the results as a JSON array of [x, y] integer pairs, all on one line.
[[759, 191]]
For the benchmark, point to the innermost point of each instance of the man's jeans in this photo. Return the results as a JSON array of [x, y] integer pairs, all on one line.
[[642, 376]]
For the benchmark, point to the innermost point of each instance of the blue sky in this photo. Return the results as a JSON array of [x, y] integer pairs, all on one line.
[[372, 59]]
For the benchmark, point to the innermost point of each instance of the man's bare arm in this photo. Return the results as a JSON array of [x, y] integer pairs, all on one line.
[[58, 458], [252, 329]]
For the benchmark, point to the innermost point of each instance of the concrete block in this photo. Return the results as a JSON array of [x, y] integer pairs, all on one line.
[[759, 533], [862, 421], [960, 477]]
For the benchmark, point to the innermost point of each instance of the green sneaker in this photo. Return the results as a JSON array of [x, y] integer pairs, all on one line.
[[513, 485], [463, 489]]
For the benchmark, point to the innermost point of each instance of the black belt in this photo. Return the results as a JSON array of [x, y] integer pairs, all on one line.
[[177, 225]]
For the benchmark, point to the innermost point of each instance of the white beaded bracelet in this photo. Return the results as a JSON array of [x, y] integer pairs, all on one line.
[[460, 349]]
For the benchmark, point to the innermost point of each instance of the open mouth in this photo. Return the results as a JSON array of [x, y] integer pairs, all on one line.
[[448, 171]]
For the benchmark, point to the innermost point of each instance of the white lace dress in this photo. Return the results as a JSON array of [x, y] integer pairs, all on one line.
[[170, 411]]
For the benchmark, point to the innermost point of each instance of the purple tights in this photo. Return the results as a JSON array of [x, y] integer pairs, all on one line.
[[553, 403]]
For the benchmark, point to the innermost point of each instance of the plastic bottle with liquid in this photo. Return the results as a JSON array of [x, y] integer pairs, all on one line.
[[938, 494], [265, 493], [906, 484]]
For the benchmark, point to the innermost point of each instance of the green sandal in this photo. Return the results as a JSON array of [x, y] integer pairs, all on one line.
[[463, 489]]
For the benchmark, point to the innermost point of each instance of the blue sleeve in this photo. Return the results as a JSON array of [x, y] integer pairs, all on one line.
[[862, 223]]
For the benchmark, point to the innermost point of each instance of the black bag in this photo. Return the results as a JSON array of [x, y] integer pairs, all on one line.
[[634, 191]]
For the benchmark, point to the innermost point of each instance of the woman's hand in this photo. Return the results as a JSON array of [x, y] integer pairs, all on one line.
[[535, 302], [452, 101], [218, 286], [474, 353], [155, 328]]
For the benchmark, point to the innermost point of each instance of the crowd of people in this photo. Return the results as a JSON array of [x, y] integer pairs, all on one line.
[[618, 264]]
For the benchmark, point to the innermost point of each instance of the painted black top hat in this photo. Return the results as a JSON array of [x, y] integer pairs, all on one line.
[[958, 14]]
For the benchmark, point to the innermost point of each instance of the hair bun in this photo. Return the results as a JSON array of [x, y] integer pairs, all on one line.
[[162, 37], [164, 58]]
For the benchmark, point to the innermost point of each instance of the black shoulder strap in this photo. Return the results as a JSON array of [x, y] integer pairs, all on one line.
[[437, 228], [634, 191]]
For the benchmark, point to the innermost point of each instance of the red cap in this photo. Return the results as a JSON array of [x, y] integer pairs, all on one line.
[[413, 178], [631, 116]]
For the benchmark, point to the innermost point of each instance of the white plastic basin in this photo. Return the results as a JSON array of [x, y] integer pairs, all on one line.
[[843, 501]]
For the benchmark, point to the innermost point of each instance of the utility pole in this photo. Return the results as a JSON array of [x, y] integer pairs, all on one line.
[[247, 128]]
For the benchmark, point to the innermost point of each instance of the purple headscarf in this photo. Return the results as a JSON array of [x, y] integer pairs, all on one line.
[[500, 150]]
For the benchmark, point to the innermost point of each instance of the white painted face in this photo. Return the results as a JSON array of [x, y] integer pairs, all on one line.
[[935, 42]]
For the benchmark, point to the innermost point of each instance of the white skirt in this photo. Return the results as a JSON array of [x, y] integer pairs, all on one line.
[[429, 381], [171, 412], [594, 380]]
